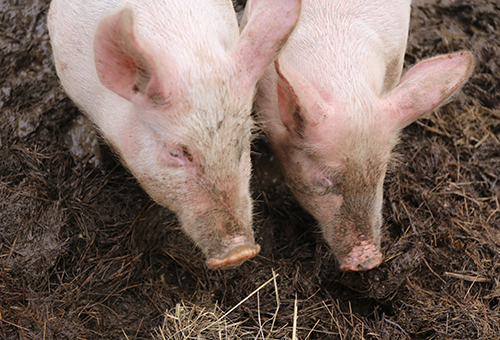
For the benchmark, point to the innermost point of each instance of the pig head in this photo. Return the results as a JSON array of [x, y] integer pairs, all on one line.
[[170, 86], [332, 108]]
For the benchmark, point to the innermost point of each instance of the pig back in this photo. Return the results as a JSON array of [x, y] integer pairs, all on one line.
[[352, 42]]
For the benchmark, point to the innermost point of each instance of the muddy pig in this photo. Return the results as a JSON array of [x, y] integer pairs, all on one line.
[[170, 84], [332, 107]]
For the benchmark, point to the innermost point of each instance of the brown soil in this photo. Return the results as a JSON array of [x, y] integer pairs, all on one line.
[[86, 254]]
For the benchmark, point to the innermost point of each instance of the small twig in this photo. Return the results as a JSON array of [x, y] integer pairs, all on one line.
[[469, 278], [277, 304], [334, 319], [395, 324], [312, 329], [138, 328], [258, 317], [461, 195], [239, 303], [433, 272], [294, 332], [432, 129], [13, 324], [11, 251]]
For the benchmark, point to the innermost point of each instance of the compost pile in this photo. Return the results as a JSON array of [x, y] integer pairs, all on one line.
[[86, 254]]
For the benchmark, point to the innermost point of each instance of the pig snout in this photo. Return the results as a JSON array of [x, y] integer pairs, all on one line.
[[225, 237], [236, 251], [363, 256], [356, 246]]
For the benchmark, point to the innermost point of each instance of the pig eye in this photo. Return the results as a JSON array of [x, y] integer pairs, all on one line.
[[176, 156], [179, 154], [174, 153]]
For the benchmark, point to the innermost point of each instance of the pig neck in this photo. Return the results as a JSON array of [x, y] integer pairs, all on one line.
[[350, 48], [346, 51], [196, 31]]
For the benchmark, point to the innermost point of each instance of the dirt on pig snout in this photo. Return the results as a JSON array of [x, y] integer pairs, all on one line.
[[86, 254]]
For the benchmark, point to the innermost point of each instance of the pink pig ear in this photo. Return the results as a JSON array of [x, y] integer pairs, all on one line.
[[427, 86], [124, 64], [268, 23], [301, 107]]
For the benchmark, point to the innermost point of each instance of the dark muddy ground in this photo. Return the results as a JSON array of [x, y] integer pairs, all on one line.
[[86, 254]]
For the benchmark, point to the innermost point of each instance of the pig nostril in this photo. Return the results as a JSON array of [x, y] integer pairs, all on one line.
[[370, 263]]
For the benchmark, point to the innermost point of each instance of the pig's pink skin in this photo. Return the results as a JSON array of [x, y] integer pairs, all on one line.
[[332, 108], [169, 84]]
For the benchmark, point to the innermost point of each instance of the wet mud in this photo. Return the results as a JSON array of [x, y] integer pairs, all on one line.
[[86, 254]]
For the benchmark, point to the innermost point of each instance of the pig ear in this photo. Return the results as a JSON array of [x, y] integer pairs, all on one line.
[[426, 86], [123, 64], [300, 105], [268, 23]]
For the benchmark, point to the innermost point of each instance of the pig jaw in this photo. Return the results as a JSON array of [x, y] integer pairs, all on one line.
[[224, 236]]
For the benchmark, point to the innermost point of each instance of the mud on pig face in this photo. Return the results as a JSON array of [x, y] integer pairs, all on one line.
[[340, 182]]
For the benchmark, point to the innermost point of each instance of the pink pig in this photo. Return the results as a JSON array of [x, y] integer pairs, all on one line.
[[332, 108], [170, 85]]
